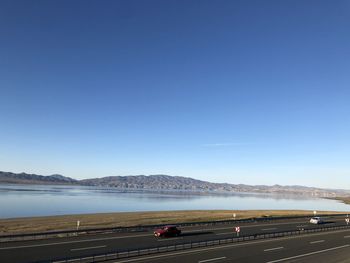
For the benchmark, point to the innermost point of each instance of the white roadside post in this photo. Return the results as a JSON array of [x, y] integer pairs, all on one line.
[[315, 212], [78, 224], [347, 220], [234, 216], [237, 229]]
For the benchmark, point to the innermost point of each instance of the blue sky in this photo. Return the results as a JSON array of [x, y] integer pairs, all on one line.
[[253, 92]]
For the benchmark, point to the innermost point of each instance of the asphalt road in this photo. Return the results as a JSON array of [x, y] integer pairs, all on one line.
[[87, 245], [325, 247]]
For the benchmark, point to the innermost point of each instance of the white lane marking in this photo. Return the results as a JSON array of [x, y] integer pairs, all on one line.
[[302, 226], [318, 241], [266, 229], [271, 249], [346, 236], [226, 233], [162, 240], [192, 251], [212, 259], [307, 254], [87, 248], [71, 242]]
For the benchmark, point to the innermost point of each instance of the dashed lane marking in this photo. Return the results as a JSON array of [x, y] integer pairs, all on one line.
[[272, 249]]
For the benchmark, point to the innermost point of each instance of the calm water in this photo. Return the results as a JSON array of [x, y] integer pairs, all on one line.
[[29, 200]]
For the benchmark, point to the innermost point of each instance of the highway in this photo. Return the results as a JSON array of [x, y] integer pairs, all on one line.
[[86, 245], [326, 247]]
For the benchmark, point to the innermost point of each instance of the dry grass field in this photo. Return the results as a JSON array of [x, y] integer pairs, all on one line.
[[68, 222]]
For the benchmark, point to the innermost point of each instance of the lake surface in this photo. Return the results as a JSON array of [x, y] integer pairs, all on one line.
[[44, 200]]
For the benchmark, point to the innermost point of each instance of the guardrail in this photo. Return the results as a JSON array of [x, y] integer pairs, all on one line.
[[71, 233], [192, 245]]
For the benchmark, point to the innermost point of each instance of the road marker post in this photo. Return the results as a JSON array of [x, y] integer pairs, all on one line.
[[78, 225], [237, 229]]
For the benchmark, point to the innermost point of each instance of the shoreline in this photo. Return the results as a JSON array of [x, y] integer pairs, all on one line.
[[124, 219], [344, 200]]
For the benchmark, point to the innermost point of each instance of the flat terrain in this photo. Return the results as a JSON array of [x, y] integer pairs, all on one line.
[[266, 250], [68, 222]]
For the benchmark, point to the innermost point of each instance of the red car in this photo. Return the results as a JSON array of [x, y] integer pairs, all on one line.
[[167, 231]]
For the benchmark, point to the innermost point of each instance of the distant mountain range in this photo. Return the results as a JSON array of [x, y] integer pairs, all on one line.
[[166, 182], [23, 178]]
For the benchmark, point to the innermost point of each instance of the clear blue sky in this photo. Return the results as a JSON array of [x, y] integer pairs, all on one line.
[[254, 92]]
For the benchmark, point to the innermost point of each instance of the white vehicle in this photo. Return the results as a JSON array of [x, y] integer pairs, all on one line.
[[316, 220]]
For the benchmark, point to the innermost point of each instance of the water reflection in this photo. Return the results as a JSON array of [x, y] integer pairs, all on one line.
[[40, 200]]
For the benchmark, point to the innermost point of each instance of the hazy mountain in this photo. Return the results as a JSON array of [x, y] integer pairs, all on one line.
[[23, 178], [166, 182]]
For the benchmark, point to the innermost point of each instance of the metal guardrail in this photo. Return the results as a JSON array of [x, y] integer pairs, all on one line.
[[71, 233], [192, 245]]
